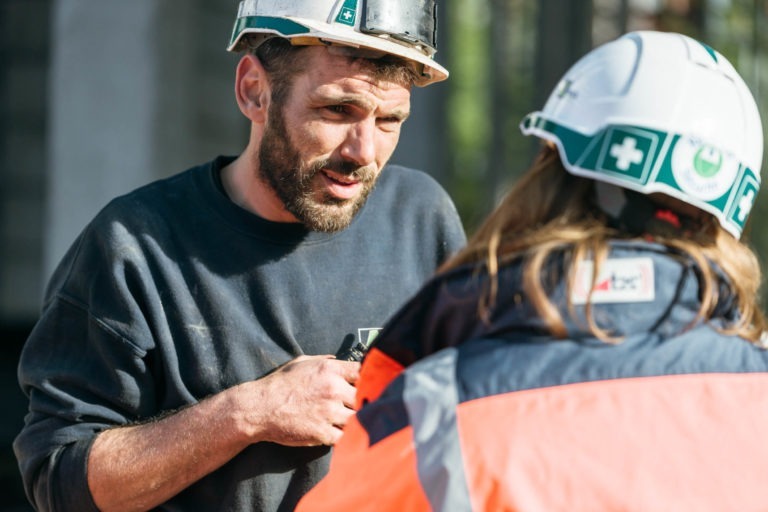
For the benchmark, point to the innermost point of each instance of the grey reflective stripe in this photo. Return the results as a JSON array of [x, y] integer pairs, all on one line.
[[431, 399]]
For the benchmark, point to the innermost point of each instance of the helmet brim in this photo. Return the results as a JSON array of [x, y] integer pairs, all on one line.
[[428, 71]]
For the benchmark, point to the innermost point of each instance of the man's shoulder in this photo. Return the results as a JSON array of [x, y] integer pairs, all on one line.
[[121, 229], [399, 175], [162, 198], [404, 184], [149, 211], [168, 187], [415, 205]]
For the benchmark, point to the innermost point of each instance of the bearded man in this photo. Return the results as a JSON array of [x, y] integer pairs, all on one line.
[[185, 356]]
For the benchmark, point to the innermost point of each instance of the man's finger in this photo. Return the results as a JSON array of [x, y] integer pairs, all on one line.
[[350, 370]]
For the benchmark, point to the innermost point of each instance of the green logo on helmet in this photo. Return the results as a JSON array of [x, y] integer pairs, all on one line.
[[707, 161], [348, 13]]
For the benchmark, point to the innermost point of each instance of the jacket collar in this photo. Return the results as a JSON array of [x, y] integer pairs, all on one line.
[[445, 312]]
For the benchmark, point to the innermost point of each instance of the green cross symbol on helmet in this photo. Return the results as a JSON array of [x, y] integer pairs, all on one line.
[[745, 205], [346, 16], [348, 13], [626, 153]]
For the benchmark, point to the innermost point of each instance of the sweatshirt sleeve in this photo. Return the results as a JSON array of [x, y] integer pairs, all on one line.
[[81, 378], [81, 371]]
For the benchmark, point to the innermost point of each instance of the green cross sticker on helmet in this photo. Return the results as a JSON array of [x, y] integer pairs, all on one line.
[[745, 200], [659, 112], [745, 206], [402, 28], [348, 13], [627, 151]]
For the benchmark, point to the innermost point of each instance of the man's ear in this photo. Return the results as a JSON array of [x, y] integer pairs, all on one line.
[[252, 88]]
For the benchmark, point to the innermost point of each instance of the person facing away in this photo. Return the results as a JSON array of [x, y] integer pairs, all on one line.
[[597, 345], [184, 358]]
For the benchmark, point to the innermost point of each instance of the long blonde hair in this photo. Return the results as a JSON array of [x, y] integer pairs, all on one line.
[[550, 211]]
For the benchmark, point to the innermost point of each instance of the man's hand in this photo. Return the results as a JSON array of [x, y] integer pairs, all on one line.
[[305, 402]]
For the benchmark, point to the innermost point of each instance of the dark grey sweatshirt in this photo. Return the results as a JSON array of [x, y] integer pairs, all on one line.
[[173, 293]]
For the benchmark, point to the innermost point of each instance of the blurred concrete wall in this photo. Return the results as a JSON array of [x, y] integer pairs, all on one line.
[[139, 90], [24, 41]]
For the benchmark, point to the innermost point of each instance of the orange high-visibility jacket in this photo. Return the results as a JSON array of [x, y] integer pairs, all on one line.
[[459, 415]]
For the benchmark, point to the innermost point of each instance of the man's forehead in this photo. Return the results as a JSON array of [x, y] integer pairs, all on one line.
[[331, 64], [318, 58], [349, 79]]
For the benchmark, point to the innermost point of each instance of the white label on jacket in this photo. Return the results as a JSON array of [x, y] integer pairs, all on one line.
[[620, 280]]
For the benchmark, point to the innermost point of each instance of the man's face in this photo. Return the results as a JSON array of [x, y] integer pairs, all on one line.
[[323, 149]]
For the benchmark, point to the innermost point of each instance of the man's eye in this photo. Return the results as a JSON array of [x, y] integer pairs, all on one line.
[[337, 109]]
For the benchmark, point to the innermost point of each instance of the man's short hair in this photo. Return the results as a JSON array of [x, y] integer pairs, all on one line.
[[283, 61]]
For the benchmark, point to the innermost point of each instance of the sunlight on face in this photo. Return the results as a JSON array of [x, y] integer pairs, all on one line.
[[323, 149]]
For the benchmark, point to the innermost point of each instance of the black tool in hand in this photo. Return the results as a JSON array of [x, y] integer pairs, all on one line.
[[354, 350]]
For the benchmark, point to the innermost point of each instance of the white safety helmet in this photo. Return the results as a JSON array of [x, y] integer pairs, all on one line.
[[659, 112], [405, 28]]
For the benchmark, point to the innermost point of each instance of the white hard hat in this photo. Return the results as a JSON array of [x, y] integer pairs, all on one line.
[[659, 112], [405, 28]]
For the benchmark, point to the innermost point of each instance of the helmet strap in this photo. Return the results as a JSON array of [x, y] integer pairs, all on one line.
[[636, 214]]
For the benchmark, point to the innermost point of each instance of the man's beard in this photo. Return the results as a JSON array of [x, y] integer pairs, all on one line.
[[281, 167]]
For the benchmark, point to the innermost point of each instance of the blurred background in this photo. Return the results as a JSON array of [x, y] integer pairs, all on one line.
[[98, 97]]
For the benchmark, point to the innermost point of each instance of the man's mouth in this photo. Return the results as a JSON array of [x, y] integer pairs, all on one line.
[[342, 186]]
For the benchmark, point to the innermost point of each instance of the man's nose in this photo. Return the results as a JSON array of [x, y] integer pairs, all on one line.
[[360, 144]]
